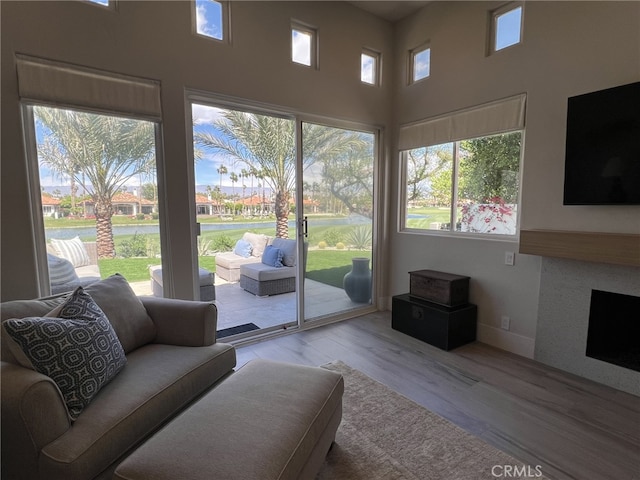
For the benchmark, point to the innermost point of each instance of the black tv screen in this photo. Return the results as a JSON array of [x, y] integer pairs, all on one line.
[[602, 162]]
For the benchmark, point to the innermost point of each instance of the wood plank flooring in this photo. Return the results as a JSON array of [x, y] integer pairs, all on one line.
[[572, 427]]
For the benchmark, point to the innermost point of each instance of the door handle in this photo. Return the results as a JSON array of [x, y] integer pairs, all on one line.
[[305, 227]]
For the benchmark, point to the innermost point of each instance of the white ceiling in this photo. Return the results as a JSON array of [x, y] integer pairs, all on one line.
[[390, 10]]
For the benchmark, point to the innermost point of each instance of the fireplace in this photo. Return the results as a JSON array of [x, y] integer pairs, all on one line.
[[614, 329], [566, 309]]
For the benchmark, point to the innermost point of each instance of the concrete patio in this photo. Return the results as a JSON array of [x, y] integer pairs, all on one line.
[[237, 306]]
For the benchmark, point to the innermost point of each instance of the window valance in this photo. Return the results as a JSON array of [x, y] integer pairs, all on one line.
[[73, 86], [490, 118]]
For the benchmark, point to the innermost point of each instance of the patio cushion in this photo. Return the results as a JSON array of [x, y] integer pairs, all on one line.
[[257, 241], [243, 248], [72, 250], [272, 256], [288, 247], [264, 273], [61, 270]]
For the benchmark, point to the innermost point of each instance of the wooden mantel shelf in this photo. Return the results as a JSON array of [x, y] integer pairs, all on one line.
[[615, 248]]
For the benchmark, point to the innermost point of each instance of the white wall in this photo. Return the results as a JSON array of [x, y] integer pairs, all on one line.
[[568, 48], [154, 40]]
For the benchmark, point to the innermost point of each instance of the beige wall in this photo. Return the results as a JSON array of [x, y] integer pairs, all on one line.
[[154, 40], [568, 48]]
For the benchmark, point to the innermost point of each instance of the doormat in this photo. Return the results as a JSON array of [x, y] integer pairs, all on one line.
[[226, 332]]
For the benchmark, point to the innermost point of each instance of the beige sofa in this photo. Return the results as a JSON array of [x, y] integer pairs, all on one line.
[[228, 263], [172, 357]]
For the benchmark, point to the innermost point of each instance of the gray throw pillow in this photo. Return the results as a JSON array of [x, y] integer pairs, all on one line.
[[124, 310], [288, 247], [78, 349]]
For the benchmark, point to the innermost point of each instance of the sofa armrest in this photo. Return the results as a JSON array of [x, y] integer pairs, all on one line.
[[182, 322], [33, 415]]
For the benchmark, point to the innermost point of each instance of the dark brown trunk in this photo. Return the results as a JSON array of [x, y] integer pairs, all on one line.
[[282, 214], [104, 230]]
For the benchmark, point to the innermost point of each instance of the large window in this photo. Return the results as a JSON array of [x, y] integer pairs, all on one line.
[[461, 172], [467, 186]]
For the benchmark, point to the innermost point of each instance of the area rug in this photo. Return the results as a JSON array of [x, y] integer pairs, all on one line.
[[246, 327], [386, 436]]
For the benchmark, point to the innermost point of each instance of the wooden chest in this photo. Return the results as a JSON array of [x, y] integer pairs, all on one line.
[[439, 287]]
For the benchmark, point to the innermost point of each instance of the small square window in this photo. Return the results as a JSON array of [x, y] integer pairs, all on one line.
[[420, 63], [506, 26], [369, 67], [211, 19], [303, 45]]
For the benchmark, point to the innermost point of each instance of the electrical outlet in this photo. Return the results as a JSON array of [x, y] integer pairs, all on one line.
[[509, 258], [505, 322]]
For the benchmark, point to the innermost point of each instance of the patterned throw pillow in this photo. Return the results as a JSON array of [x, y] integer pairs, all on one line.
[[72, 250], [77, 349]]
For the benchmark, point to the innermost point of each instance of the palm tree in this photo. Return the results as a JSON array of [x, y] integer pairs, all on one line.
[[269, 143], [107, 150]]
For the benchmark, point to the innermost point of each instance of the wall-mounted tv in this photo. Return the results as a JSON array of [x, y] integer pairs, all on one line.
[[602, 161]]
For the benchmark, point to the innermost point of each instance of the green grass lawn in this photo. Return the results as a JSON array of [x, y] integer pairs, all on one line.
[[326, 266]]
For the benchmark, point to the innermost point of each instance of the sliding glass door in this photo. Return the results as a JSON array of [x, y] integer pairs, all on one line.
[[337, 208], [285, 209]]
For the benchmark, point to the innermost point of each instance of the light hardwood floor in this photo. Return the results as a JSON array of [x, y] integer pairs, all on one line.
[[572, 427]]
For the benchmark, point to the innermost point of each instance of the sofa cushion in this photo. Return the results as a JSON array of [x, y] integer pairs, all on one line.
[[158, 382], [288, 247], [243, 248], [72, 250], [124, 310], [61, 270], [230, 260], [77, 348], [272, 256], [258, 241], [264, 273]]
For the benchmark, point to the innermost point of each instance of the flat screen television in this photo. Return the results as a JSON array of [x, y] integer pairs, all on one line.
[[602, 161]]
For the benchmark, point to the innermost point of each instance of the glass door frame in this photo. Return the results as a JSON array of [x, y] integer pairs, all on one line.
[[193, 96]]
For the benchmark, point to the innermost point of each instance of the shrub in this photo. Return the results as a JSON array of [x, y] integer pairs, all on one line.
[[322, 245], [222, 243], [360, 237], [340, 246], [139, 216], [136, 246], [332, 236], [203, 246]]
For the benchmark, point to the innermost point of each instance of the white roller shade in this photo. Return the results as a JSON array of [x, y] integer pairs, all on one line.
[[70, 85], [488, 119]]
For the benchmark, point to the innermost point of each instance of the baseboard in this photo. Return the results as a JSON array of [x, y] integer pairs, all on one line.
[[505, 340]]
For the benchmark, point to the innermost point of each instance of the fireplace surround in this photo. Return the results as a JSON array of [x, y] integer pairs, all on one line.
[[563, 317]]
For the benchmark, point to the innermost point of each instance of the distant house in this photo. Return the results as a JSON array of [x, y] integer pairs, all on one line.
[[125, 203], [50, 206], [207, 206]]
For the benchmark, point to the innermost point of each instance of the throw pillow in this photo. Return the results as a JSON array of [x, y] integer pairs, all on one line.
[[72, 250], [124, 310], [272, 256], [288, 247], [257, 241], [61, 271], [78, 349], [242, 248]]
